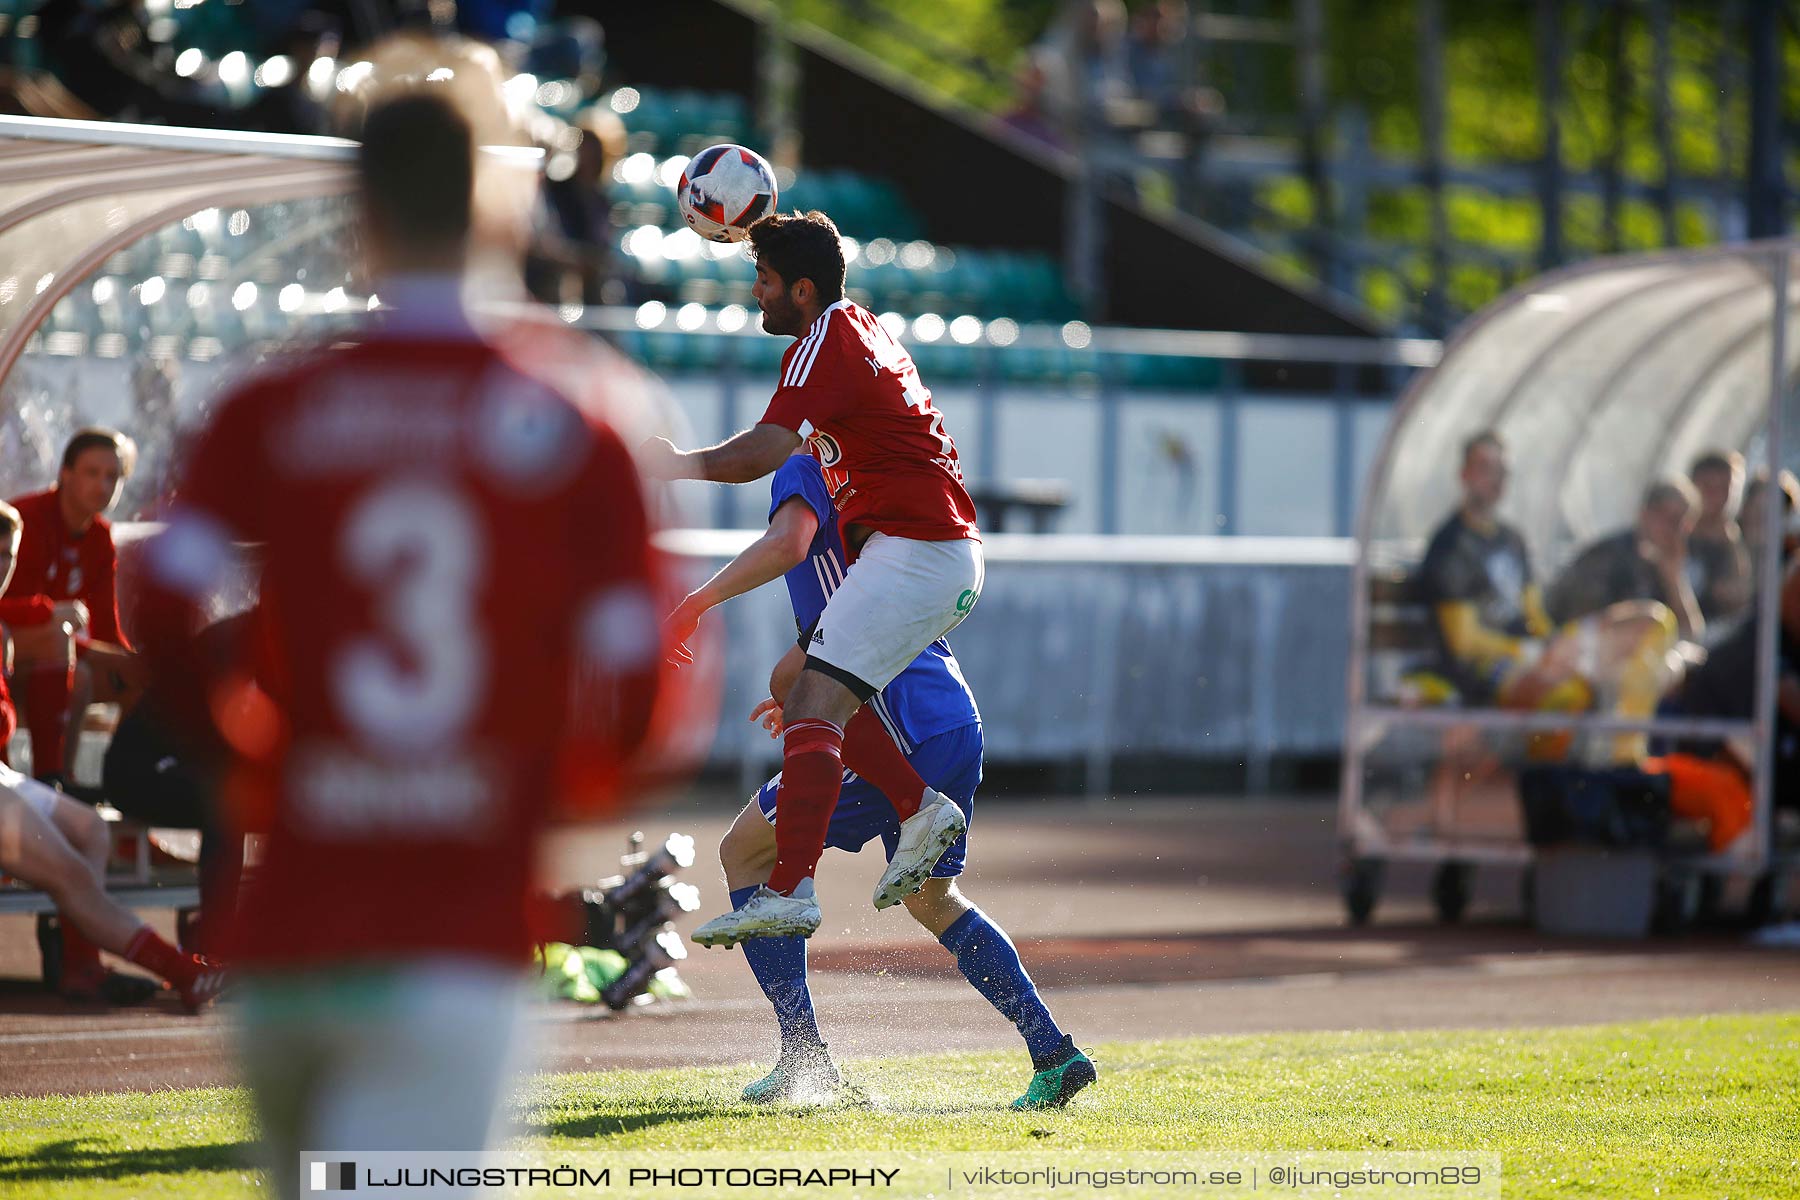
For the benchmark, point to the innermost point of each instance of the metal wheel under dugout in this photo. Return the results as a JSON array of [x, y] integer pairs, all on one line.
[[1600, 380]]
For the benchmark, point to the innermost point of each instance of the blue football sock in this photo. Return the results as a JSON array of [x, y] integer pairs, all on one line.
[[779, 965], [988, 960]]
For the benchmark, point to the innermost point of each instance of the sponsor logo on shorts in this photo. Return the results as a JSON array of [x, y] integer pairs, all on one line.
[[967, 600], [818, 637]]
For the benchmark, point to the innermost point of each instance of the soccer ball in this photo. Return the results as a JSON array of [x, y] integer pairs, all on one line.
[[724, 190]]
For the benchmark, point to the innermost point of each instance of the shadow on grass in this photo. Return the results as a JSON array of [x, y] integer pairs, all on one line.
[[81, 1158], [615, 1124], [589, 1125]]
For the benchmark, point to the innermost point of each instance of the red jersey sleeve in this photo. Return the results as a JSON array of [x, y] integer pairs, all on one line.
[[817, 378]]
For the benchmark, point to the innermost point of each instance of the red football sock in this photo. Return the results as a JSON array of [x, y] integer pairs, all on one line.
[[81, 964], [812, 771], [870, 751], [47, 692], [153, 954]]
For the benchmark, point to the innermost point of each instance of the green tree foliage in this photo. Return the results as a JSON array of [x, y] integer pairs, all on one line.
[[965, 49]]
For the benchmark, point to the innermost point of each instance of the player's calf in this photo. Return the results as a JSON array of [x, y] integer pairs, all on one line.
[[937, 906], [747, 851], [990, 962]]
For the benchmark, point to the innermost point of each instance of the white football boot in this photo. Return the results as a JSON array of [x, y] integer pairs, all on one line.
[[765, 914], [924, 837]]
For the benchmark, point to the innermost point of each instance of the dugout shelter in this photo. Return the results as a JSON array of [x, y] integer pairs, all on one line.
[[1600, 379]]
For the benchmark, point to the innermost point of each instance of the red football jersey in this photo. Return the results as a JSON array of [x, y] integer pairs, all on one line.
[[853, 393], [31, 610], [56, 564], [458, 582]]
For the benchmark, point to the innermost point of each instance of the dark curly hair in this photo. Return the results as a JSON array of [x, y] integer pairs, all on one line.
[[800, 246]]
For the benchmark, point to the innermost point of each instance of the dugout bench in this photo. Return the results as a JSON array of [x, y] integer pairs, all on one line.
[[1457, 794]]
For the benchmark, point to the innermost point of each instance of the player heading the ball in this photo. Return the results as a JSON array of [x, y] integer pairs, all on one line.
[[850, 394]]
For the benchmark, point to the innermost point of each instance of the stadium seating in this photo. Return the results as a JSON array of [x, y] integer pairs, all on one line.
[[203, 286], [894, 267]]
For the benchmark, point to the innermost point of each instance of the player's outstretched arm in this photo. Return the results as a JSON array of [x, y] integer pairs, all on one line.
[[779, 550], [738, 459]]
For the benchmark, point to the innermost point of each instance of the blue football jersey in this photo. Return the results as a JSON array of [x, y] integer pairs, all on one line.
[[929, 697]]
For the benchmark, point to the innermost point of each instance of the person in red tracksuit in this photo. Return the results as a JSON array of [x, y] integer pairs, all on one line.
[[60, 845], [67, 561]]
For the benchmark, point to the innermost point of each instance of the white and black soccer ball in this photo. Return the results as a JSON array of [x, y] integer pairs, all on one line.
[[724, 190]]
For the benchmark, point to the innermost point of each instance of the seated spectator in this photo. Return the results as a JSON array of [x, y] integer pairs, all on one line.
[[1646, 562], [1717, 567], [1477, 578], [67, 559], [1710, 781], [1753, 517], [1496, 641], [60, 845]]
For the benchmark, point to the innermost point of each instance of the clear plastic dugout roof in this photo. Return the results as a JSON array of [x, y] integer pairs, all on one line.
[[72, 194], [1600, 379]]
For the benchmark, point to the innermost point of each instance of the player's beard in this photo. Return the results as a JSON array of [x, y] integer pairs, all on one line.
[[783, 317]]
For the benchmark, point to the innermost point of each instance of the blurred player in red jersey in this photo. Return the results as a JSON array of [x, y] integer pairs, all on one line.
[[852, 396], [67, 560], [61, 845], [458, 585]]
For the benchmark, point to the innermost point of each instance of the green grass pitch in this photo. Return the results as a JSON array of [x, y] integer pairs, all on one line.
[[1697, 1107]]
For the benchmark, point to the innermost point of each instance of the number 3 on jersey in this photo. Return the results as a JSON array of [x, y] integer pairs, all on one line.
[[416, 681]]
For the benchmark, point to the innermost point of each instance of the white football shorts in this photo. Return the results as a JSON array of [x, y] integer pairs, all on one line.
[[414, 1055], [898, 597], [41, 797]]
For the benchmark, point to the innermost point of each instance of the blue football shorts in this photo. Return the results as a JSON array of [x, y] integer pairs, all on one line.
[[949, 762]]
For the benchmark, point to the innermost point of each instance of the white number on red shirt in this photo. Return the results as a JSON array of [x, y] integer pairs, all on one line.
[[415, 682]]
